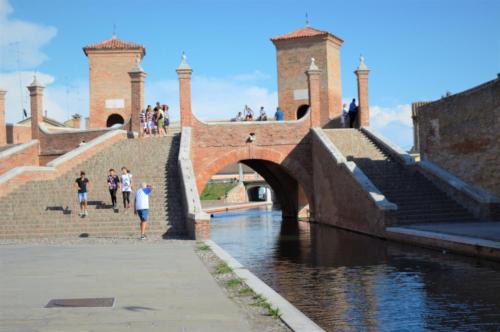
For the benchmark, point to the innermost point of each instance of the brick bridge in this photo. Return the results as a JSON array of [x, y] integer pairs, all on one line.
[[280, 151]]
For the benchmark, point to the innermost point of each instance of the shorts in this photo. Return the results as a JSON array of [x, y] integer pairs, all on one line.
[[160, 123], [143, 125], [143, 215], [150, 125], [82, 197]]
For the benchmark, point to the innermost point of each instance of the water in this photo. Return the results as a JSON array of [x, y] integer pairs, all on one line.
[[349, 282]]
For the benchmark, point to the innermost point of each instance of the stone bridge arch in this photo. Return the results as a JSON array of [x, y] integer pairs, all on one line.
[[289, 179]]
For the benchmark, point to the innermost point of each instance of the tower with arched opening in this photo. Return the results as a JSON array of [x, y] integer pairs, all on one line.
[[294, 51], [109, 83]]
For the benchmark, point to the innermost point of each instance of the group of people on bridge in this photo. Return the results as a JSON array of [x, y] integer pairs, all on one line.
[[154, 121], [248, 115]]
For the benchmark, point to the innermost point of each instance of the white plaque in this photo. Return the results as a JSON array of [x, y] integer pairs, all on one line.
[[115, 103], [300, 94]]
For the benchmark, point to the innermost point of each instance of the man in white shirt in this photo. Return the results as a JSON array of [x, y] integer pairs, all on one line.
[[141, 206]]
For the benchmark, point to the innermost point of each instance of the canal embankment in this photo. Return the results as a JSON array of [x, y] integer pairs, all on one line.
[[268, 298], [220, 206], [479, 239]]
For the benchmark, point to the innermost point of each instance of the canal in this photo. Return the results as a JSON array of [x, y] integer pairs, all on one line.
[[350, 282]]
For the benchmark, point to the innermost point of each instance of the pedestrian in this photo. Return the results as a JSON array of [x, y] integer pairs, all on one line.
[[166, 119], [238, 118], [278, 116], [248, 112], [160, 120], [141, 206], [113, 184], [353, 112], [82, 185], [126, 185], [345, 116], [149, 120], [142, 119], [155, 121], [263, 115]]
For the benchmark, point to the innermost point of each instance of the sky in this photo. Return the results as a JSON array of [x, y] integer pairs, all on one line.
[[415, 49]]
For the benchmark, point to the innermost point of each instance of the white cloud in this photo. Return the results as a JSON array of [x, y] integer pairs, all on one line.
[[214, 98], [394, 123], [26, 37]]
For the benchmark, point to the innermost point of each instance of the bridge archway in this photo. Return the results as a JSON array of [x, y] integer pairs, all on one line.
[[287, 178], [114, 119]]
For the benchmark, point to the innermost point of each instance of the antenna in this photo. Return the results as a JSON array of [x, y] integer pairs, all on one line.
[[307, 20], [114, 31], [20, 79]]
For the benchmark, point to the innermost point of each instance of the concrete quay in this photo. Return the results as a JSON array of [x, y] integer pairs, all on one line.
[[479, 239]]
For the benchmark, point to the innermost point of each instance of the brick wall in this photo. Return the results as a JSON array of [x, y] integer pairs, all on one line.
[[343, 200], [237, 195], [56, 144], [23, 156], [17, 134], [461, 134]]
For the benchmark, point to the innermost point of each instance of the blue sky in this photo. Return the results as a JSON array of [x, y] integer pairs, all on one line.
[[416, 49]]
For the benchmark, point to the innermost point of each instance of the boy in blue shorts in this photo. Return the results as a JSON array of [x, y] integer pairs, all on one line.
[[82, 185], [141, 206]]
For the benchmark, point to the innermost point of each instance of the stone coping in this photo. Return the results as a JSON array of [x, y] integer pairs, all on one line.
[[17, 148], [466, 245], [373, 192], [476, 193], [87, 146], [393, 149], [305, 118], [192, 197], [9, 175], [290, 315]]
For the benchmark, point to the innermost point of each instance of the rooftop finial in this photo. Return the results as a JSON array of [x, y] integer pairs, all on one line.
[[114, 31], [35, 80], [313, 65], [307, 20], [362, 65], [184, 64]]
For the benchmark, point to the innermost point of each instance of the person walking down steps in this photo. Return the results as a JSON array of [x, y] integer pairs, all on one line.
[[113, 184], [82, 185], [141, 206], [126, 184]]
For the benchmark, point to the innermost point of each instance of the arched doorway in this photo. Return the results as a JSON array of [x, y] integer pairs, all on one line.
[[302, 110], [114, 119]]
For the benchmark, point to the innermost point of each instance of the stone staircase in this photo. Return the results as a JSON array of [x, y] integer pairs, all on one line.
[[49, 208], [417, 198]]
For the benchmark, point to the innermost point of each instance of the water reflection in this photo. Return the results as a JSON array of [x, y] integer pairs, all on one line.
[[350, 282]]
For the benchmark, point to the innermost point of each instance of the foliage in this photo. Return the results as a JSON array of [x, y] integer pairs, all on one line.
[[215, 191]]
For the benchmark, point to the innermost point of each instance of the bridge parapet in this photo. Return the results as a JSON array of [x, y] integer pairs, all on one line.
[[197, 221]]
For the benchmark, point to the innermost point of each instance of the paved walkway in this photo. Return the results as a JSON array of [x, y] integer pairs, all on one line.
[[158, 287]]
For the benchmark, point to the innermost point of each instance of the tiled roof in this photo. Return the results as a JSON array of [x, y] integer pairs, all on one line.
[[304, 33], [114, 44]]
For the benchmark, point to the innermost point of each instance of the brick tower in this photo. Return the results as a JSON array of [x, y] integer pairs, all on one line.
[[110, 95], [294, 51]]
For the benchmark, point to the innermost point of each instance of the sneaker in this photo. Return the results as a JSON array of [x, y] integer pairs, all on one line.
[[143, 237], [86, 213]]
